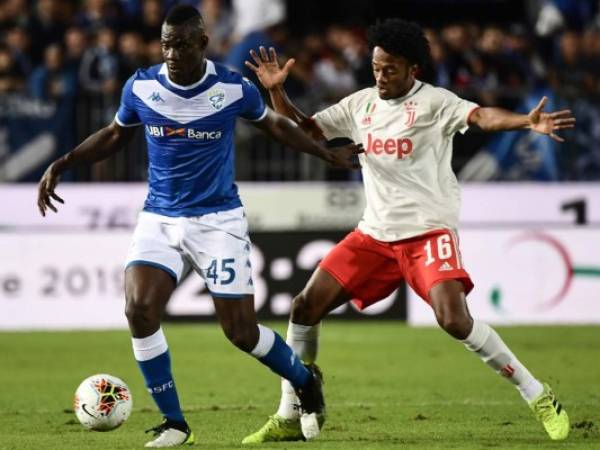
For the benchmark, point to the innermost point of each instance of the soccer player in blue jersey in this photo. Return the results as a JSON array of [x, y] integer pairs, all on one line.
[[193, 217]]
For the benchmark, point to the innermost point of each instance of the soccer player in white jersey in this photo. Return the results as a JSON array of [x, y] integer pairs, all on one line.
[[193, 217], [408, 230]]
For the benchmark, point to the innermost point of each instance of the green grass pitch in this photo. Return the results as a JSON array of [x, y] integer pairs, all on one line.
[[387, 386]]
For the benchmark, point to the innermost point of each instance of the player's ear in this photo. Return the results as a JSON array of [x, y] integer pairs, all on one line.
[[414, 69], [204, 41]]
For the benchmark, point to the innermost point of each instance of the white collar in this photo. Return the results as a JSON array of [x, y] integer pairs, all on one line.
[[210, 70]]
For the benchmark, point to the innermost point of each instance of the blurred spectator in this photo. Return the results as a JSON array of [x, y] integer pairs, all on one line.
[[154, 52], [48, 24], [53, 80], [502, 83], [133, 54], [98, 14], [13, 12], [334, 77], [568, 72], [463, 64], [438, 73], [150, 22], [353, 46], [273, 36], [19, 43], [522, 54], [591, 58], [99, 71], [11, 78], [255, 15], [218, 20], [76, 42]]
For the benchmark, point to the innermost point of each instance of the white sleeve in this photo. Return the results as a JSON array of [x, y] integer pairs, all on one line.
[[336, 121], [453, 112]]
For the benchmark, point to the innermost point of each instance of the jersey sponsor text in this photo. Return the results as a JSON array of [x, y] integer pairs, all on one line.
[[402, 147]]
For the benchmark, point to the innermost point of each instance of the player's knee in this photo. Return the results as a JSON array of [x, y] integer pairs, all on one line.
[[242, 336], [455, 324], [303, 311], [141, 313]]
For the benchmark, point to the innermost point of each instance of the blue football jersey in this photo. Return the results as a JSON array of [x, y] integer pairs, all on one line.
[[189, 131]]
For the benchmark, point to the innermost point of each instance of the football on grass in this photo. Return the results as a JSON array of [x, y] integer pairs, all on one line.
[[102, 402]]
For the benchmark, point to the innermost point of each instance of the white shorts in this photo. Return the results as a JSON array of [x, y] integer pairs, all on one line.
[[216, 245]]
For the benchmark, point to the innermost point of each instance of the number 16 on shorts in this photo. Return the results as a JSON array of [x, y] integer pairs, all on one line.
[[442, 248]]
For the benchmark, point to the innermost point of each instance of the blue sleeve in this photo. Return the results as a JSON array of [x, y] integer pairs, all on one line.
[[127, 115], [253, 106]]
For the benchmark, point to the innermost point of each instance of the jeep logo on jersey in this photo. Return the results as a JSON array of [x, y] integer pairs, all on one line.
[[401, 147], [190, 133], [216, 98]]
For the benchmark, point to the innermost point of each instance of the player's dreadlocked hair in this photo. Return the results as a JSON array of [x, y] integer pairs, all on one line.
[[401, 38], [182, 14]]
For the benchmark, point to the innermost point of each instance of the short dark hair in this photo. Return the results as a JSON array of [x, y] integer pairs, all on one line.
[[182, 14], [401, 38]]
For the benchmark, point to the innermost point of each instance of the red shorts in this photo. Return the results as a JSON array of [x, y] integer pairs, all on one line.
[[370, 270]]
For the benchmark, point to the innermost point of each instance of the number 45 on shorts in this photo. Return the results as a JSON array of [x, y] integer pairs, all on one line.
[[222, 273]]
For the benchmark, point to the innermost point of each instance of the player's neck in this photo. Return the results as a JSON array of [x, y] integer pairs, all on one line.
[[406, 91], [194, 76]]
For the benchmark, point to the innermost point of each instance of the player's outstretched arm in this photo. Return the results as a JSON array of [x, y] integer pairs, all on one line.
[[288, 133], [272, 77], [98, 146], [498, 119]]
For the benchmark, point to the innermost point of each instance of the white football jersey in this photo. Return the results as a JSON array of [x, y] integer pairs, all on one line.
[[410, 187]]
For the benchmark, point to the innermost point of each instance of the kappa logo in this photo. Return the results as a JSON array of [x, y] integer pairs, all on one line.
[[216, 97], [155, 97], [445, 266], [411, 113]]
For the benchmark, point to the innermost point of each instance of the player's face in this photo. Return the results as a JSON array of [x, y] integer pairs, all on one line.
[[394, 75], [183, 49]]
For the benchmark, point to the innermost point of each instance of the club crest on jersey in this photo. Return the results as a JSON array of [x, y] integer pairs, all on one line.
[[411, 113], [366, 120], [216, 97]]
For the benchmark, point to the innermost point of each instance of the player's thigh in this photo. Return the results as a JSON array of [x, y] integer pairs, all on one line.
[[155, 243], [148, 287], [153, 267], [434, 259], [366, 269]]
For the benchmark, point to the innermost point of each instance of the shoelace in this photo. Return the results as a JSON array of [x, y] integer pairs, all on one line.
[[545, 406], [157, 429]]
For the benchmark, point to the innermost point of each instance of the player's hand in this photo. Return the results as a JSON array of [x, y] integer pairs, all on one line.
[[344, 156], [46, 190], [267, 68], [548, 123]]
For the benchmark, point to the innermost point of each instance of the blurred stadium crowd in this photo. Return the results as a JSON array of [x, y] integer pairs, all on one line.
[[74, 56]]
